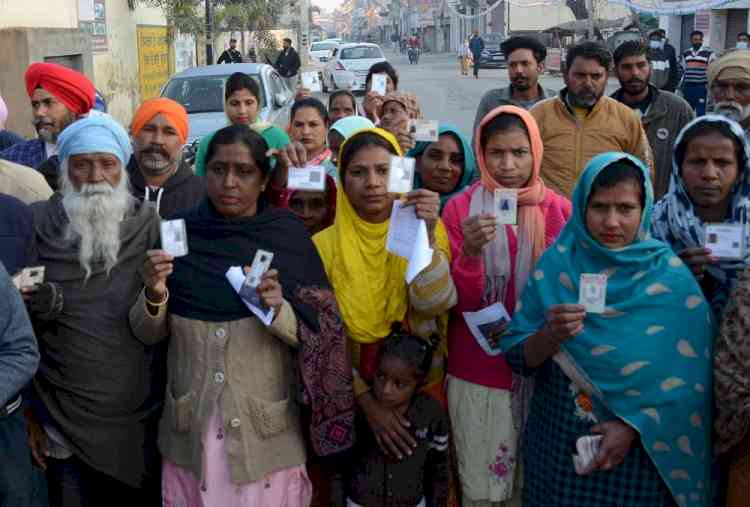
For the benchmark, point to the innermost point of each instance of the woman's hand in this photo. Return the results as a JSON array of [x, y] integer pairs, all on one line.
[[269, 289], [563, 322], [618, 437], [37, 438], [478, 230], [390, 428], [427, 207], [697, 259], [371, 105], [156, 269]]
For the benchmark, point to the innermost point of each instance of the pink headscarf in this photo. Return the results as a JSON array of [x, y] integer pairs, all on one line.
[[3, 113]]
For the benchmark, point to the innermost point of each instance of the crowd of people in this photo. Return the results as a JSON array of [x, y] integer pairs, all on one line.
[[134, 374]]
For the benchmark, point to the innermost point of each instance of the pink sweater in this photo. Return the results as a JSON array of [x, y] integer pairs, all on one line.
[[466, 359]]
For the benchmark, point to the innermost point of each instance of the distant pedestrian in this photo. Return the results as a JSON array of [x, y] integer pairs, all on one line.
[[463, 57], [288, 64], [476, 45], [231, 55], [695, 81], [664, 73], [252, 56]]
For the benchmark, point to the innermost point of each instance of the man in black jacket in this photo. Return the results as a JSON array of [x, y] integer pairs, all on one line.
[[157, 172], [231, 55], [288, 64]]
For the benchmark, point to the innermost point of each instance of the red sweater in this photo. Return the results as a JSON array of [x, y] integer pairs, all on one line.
[[466, 359]]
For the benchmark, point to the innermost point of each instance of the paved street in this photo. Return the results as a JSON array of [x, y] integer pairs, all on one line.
[[445, 95]]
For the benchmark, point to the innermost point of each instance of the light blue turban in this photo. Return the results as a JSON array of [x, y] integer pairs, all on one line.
[[95, 134]]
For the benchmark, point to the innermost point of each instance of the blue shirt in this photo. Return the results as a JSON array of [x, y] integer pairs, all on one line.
[[29, 153]]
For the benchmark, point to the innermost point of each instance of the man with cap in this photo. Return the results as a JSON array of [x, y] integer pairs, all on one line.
[[231, 55], [729, 84], [59, 96], [98, 391], [157, 173]]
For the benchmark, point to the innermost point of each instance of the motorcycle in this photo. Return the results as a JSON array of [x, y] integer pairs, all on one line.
[[413, 55]]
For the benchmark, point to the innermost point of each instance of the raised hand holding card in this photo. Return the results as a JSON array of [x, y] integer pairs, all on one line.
[[174, 237], [311, 177], [593, 292], [506, 205], [379, 83], [401, 175], [424, 130]]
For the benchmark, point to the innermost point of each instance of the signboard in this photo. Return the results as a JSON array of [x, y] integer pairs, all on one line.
[[153, 60], [184, 52], [92, 19]]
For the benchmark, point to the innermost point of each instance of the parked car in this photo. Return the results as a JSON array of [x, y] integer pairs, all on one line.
[[492, 56], [348, 65], [319, 51], [201, 91]]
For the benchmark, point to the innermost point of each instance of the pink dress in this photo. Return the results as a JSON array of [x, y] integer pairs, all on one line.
[[180, 488]]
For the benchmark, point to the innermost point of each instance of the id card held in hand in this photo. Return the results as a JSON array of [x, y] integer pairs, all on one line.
[[401, 175], [506, 205], [593, 292], [174, 237], [424, 130], [29, 277], [379, 84], [726, 241], [311, 177]]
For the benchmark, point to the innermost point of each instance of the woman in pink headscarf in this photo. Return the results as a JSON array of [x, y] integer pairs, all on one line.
[[491, 262], [7, 138]]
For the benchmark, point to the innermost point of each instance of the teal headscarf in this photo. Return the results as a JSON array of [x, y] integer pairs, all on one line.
[[470, 165], [347, 127], [648, 357], [95, 134]]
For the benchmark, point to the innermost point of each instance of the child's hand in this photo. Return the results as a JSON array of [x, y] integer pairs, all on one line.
[[390, 428]]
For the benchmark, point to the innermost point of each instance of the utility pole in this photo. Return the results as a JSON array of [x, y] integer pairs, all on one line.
[[209, 35], [590, 19]]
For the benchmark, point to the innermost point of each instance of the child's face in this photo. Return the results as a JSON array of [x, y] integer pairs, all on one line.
[[395, 383], [508, 158]]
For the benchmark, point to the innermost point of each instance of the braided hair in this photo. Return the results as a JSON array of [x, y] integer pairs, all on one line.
[[411, 349]]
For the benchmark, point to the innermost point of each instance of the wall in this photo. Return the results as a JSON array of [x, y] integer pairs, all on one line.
[[55, 13]]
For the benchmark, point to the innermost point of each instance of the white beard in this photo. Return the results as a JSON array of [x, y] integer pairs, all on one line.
[[94, 214], [732, 110]]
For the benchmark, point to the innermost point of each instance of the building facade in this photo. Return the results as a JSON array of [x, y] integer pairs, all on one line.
[[720, 26]]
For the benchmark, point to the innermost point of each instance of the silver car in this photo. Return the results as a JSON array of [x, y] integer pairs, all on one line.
[[201, 91]]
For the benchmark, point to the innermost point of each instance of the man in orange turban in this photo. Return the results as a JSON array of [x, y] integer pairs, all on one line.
[[157, 172], [59, 96]]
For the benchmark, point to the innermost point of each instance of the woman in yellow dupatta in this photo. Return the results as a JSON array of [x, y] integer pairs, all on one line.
[[370, 283]]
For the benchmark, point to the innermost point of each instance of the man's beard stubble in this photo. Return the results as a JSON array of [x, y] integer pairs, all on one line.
[[45, 134], [94, 216]]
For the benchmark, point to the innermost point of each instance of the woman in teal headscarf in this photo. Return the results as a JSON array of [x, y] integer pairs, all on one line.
[[339, 132], [445, 166], [638, 374]]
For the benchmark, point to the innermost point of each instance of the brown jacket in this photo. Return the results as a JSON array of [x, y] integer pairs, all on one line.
[[570, 143], [243, 368]]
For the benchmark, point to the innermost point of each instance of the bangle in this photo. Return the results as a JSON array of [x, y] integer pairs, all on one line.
[[151, 303]]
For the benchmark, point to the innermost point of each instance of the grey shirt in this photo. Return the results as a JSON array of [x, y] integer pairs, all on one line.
[[19, 355], [504, 97]]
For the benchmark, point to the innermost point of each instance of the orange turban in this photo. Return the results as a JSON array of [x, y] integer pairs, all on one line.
[[173, 111], [67, 85]]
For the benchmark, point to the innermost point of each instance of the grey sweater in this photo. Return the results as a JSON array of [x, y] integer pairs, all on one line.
[[19, 355]]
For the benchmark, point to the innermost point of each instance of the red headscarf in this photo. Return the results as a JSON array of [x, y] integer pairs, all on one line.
[[68, 86], [331, 197]]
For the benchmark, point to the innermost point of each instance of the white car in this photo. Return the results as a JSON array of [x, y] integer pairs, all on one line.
[[348, 65], [320, 50]]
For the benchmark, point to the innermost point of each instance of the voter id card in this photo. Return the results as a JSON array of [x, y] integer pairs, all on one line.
[[311, 81], [311, 177], [506, 205], [726, 241], [593, 292], [401, 175], [260, 265], [174, 237], [379, 83], [424, 130]]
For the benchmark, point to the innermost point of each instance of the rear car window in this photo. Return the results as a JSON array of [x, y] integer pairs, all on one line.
[[360, 53], [322, 46], [203, 94]]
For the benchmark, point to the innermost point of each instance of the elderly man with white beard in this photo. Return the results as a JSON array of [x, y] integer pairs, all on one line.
[[729, 85], [98, 397]]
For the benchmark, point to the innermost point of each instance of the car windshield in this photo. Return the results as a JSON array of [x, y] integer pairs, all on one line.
[[203, 94], [322, 46], [360, 53], [492, 37]]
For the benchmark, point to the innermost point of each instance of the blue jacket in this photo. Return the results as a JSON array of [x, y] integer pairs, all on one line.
[[476, 45], [16, 228], [19, 354]]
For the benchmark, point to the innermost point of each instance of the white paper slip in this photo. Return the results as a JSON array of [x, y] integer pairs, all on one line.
[[424, 130], [29, 277], [407, 238], [593, 292], [506, 205], [401, 175], [485, 323], [311, 177], [311, 81], [174, 237], [236, 279], [379, 83], [587, 447], [260, 265], [726, 241]]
